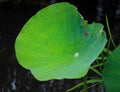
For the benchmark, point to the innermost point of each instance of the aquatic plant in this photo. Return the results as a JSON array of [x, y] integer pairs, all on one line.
[[57, 43]]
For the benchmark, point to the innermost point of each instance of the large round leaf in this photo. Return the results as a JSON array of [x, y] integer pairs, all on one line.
[[111, 72], [57, 43]]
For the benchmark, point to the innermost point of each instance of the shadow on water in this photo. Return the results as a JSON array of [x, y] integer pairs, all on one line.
[[14, 14]]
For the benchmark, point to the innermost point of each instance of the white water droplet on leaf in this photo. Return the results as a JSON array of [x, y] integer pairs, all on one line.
[[76, 54]]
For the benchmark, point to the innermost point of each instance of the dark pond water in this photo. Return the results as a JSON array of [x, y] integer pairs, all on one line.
[[14, 14]]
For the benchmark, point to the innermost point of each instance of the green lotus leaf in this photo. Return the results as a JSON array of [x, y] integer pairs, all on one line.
[[57, 43], [111, 72]]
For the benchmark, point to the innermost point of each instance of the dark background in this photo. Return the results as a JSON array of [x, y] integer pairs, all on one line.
[[14, 14]]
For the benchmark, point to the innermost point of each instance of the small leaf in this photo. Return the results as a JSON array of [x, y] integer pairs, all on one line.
[[111, 72], [57, 43]]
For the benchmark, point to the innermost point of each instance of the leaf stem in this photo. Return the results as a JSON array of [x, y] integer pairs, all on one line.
[[108, 27], [88, 81], [85, 84]]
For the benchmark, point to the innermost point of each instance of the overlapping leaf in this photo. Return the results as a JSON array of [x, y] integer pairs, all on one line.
[[111, 73]]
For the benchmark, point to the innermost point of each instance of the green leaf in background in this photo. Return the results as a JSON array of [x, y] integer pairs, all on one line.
[[57, 43], [111, 72]]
